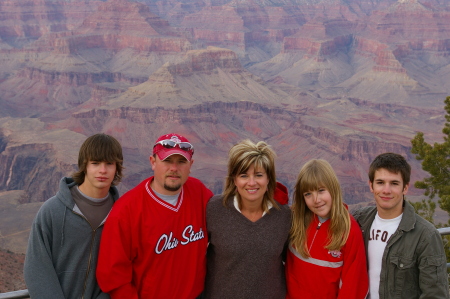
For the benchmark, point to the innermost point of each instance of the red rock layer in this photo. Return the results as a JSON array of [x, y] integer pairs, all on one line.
[[34, 18], [243, 25], [206, 60], [75, 79], [409, 21], [315, 47], [121, 16], [117, 25]]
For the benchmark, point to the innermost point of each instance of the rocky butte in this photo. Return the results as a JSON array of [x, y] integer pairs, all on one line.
[[339, 80]]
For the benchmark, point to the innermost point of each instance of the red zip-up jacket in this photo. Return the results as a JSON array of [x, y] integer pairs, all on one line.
[[328, 275]]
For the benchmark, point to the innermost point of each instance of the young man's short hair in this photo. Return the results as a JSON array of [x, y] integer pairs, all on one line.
[[102, 148], [392, 162]]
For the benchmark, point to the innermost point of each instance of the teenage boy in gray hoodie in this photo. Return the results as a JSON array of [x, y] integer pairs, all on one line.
[[63, 246]]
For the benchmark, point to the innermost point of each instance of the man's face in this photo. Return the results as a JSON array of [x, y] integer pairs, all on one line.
[[170, 174], [388, 189]]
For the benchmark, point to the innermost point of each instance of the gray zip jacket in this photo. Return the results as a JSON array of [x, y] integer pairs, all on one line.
[[62, 250], [414, 263]]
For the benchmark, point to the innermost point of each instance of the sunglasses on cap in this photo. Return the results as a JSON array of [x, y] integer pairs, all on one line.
[[185, 146]]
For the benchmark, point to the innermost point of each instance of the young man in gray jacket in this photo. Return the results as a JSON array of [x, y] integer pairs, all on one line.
[[63, 246], [405, 254]]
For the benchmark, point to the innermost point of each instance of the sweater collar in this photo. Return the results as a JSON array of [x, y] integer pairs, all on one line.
[[236, 205]]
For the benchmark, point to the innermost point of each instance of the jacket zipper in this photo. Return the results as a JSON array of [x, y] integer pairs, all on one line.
[[315, 234], [94, 231]]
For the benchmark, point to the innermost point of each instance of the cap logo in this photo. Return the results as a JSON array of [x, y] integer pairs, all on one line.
[[175, 139]]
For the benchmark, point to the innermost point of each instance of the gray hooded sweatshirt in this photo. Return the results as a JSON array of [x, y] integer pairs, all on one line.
[[62, 250]]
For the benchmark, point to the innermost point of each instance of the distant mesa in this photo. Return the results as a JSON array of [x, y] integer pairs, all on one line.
[[201, 76]]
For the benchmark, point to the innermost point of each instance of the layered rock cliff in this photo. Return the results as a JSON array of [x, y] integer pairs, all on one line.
[[67, 66], [26, 20], [296, 135], [200, 76], [34, 158], [127, 55]]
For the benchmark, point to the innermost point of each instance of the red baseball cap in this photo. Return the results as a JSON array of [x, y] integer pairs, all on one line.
[[171, 144]]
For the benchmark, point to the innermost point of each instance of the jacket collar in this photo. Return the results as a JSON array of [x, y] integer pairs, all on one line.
[[366, 222], [406, 224], [408, 219]]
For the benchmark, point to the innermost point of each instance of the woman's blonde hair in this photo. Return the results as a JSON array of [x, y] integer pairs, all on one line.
[[241, 157], [315, 174]]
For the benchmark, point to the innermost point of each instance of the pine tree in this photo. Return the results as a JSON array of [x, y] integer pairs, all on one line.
[[436, 161], [425, 208]]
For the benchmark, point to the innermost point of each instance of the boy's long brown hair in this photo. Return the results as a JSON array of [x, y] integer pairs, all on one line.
[[101, 148], [317, 174]]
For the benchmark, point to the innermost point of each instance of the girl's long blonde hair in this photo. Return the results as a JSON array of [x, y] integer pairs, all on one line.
[[315, 174]]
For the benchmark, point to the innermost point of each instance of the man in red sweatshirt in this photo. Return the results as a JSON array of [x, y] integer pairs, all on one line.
[[154, 240]]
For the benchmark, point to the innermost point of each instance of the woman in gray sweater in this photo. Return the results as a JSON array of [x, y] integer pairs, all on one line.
[[248, 230]]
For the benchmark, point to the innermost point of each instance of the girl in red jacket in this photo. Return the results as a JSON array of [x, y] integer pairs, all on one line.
[[326, 257]]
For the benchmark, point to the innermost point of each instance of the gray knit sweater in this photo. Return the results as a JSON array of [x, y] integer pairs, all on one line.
[[245, 258]]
